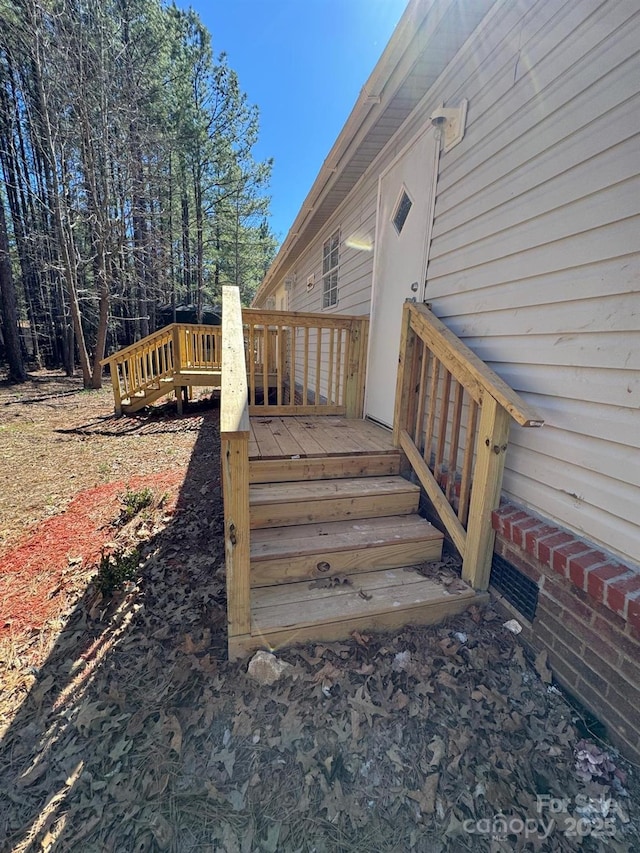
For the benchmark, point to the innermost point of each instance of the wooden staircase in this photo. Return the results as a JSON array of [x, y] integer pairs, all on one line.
[[340, 553], [172, 360], [322, 535]]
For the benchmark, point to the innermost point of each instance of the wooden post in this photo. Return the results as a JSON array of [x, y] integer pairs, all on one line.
[[355, 369], [491, 449], [234, 434], [177, 357], [235, 486], [405, 370], [115, 384], [363, 340]]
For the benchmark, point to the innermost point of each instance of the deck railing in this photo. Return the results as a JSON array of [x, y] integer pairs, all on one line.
[[283, 363], [303, 363], [161, 356], [452, 417]]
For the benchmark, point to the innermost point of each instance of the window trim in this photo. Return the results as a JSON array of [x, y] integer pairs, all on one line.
[[404, 192], [330, 270]]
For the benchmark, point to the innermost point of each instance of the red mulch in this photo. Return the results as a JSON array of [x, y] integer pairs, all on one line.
[[32, 572]]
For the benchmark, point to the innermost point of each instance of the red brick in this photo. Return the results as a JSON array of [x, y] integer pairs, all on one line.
[[546, 545], [532, 537], [633, 610], [628, 706], [562, 555], [616, 679], [630, 670], [556, 622], [566, 598], [608, 649], [617, 591], [564, 655], [615, 723], [611, 618], [612, 636], [510, 520], [579, 566], [519, 528], [598, 575]]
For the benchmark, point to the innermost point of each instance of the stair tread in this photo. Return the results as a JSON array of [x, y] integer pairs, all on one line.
[[318, 490], [295, 605], [303, 539]]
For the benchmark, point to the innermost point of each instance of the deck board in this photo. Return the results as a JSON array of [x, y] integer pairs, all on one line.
[[276, 437], [375, 597]]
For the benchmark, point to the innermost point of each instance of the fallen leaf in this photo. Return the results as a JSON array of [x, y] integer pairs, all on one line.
[[542, 667]]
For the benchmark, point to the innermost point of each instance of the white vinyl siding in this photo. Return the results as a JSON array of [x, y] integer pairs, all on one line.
[[535, 257], [535, 253]]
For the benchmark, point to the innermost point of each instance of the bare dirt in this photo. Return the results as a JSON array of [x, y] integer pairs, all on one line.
[[124, 727]]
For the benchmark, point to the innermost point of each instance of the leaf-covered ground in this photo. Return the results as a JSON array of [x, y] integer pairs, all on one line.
[[124, 727]]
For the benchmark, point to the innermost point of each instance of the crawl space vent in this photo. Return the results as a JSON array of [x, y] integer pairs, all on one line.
[[519, 590]]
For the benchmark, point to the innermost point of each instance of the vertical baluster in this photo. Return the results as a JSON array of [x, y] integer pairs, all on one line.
[[433, 402], [280, 353], [339, 395], [422, 393], [318, 364], [465, 482], [415, 369], [330, 399], [292, 367], [443, 423], [305, 381], [452, 466], [252, 364], [265, 365]]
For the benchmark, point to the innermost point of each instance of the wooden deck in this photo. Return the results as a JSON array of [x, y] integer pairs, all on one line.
[[309, 437]]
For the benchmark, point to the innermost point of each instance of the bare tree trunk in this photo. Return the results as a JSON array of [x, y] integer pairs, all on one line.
[[63, 235], [8, 304]]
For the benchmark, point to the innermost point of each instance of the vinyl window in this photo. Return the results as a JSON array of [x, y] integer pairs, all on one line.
[[330, 260]]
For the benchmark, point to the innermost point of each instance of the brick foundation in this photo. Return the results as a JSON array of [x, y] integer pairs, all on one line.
[[588, 618]]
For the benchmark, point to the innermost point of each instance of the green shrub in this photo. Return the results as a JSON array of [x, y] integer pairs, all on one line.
[[114, 570], [135, 502]]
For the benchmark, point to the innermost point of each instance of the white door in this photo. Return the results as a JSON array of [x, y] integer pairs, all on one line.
[[405, 201]]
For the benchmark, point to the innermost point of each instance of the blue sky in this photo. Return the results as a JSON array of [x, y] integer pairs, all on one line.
[[303, 62]]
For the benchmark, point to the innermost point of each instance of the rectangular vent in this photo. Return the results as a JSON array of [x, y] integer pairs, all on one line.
[[519, 590]]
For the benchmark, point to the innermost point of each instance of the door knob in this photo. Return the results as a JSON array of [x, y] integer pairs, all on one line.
[[414, 287]]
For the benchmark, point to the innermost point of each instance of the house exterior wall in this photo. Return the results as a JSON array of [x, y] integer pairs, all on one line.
[[535, 254]]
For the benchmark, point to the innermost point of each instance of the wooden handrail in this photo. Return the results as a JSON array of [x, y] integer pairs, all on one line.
[[300, 318], [451, 418], [476, 376], [234, 435], [122, 354]]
